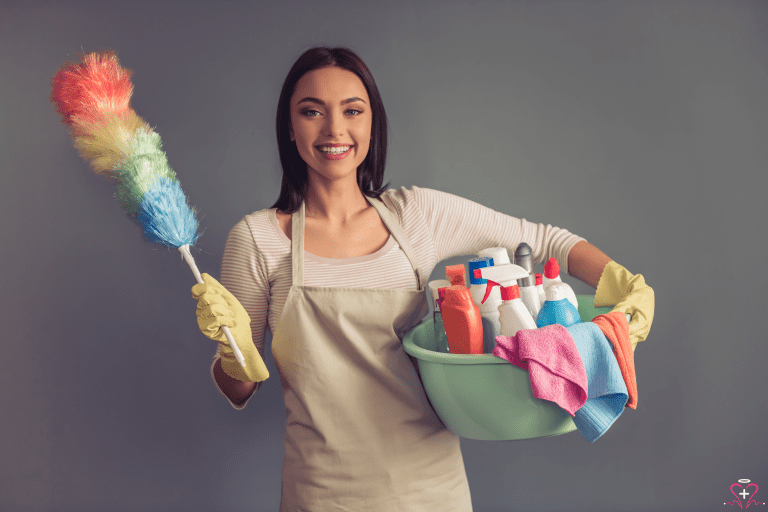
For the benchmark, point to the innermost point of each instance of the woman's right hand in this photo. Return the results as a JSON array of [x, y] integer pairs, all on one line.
[[216, 308]]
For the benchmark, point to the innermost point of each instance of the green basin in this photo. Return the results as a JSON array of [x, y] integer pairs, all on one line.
[[485, 397]]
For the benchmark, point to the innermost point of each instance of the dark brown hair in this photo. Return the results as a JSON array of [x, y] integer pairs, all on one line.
[[370, 173]]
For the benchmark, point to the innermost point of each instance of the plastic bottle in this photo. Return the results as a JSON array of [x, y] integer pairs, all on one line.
[[540, 288], [463, 323], [489, 311], [513, 314], [498, 255], [557, 309], [527, 285], [505, 277], [552, 276], [441, 342], [456, 274]]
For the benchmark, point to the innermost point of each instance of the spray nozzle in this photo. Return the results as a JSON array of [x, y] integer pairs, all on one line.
[[500, 275]]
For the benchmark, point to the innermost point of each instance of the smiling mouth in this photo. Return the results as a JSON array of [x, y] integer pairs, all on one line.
[[334, 152]]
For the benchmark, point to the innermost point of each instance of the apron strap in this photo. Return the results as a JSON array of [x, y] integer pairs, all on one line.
[[297, 241]]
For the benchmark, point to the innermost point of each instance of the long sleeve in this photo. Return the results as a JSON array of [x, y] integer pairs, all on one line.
[[462, 227]]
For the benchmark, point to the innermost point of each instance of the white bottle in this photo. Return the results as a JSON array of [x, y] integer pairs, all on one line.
[[499, 255], [501, 276], [540, 288], [552, 276], [489, 310], [527, 285], [513, 314]]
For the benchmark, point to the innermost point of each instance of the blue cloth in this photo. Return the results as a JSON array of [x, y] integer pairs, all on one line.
[[606, 391]]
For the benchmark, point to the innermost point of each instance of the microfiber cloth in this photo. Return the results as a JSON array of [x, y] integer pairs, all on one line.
[[553, 362], [615, 327], [607, 393]]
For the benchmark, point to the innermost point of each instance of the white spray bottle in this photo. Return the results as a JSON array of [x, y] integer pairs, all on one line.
[[513, 315]]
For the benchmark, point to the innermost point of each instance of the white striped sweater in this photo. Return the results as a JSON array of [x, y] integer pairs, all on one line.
[[256, 265]]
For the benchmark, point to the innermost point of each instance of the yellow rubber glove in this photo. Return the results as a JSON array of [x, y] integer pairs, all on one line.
[[627, 293], [217, 307]]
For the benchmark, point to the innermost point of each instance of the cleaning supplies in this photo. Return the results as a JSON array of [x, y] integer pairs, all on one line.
[[498, 255], [527, 285], [456, 275], [513, 315], [441, 342], [557, 309], [489, 310], [540, 288], [463, 323], [552, 276]]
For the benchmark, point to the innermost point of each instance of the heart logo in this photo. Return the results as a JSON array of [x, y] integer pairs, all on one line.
[[745, 495]]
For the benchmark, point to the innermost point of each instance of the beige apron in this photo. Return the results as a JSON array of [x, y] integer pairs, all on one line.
[[361, 435]]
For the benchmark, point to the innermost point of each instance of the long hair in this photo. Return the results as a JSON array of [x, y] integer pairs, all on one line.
[[370, 173]]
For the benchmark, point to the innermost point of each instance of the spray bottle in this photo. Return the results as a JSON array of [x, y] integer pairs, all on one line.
[[489, 310], [552, 276], [513, 315], [527, 285]]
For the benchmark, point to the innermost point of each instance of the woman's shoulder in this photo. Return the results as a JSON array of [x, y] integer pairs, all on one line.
[[258, 228]]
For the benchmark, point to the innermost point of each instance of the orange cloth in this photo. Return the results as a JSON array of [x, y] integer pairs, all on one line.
[[615, 327]]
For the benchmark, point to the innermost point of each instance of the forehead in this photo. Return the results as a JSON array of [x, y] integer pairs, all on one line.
[[330, 84]]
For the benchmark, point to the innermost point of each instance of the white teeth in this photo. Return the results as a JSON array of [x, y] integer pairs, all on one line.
[[336, 150]]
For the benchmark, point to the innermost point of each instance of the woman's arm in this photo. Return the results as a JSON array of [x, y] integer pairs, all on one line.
[[586, 263]]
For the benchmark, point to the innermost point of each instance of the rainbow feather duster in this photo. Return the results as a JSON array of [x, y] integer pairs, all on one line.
[[93, 99]]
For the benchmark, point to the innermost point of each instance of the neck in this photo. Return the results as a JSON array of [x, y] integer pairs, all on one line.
[[334, 200]]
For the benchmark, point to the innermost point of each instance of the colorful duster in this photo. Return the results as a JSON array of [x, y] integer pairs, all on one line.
[[93, 99]]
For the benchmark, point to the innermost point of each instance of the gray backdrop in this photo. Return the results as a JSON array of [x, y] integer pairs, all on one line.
[[638, 125]]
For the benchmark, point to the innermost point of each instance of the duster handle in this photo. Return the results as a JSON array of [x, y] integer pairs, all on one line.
[[188, 258]]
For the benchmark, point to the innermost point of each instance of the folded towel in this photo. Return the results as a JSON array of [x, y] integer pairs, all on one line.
[[550, 355], [607, 393], [615, 327]]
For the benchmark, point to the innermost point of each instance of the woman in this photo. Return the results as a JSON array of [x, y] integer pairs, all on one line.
[[337, 269]]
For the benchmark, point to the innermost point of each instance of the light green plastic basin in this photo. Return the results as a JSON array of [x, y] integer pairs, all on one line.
[[485, 397]]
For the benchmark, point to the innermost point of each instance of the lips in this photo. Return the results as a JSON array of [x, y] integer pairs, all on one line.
[[335, 151]]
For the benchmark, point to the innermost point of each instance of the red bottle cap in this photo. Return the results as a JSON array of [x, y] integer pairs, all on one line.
[[510, 292], [539, 279], [551, 268]]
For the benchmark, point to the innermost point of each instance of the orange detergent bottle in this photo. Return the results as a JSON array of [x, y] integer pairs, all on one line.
[[462, 321]]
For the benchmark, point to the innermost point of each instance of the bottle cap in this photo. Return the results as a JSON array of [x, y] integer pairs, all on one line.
[[551, 268], [557, 291], [455, 274], [475, 264], [539, 279], [498, 255], [510, 292]]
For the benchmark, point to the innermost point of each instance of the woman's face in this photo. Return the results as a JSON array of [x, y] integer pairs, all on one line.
[[331, 122]]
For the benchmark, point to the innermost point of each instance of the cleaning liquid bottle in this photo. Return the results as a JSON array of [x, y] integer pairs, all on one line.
[[456, 275], [513, 315], [552, 276], [441, 342], [540, 288], [557, 309], [489, 310], [527, 285], [463, 323], [498, 255]]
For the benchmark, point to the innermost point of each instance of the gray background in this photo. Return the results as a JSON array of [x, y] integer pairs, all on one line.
[[639, 125]]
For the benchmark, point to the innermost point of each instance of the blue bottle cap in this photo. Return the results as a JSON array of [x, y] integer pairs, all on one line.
[[476, 263]]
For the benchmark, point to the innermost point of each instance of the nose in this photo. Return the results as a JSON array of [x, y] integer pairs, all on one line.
[[334, 124]]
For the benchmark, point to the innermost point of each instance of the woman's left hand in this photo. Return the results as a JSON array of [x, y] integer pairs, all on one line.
[[627, 293]]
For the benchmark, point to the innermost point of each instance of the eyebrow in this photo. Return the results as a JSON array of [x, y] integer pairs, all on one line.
[[320, 102]]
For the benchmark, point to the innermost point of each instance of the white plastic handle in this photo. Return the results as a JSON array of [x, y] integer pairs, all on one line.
[[191, 262]]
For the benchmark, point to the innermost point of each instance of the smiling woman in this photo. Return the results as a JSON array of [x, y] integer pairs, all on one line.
[[336, 270]]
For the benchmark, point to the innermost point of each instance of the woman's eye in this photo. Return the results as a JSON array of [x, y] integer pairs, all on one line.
[[354, 112], [311, 113]]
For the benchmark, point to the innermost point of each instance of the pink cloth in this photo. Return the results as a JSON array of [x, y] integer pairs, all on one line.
[[553, 361]]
